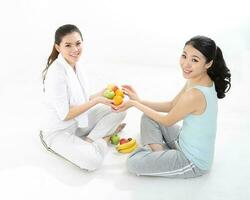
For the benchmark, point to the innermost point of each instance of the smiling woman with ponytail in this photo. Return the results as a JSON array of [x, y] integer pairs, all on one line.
[[182, 152], [218, 71], [60, 33], [77, 126]]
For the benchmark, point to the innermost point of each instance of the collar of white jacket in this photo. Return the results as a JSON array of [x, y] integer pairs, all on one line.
[[78, 87]]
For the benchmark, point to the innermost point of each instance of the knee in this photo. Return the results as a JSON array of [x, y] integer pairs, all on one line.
[[92, 164], [96, 163], [145, 119], [146, 124], [134, 164], [131, 165]]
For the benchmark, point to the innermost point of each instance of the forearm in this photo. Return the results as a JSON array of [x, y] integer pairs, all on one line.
[[74, 111], [94, 95], [153, 114], [158, 106]]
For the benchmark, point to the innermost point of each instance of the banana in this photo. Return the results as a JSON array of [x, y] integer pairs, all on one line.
[[126, 145], [128, 150]]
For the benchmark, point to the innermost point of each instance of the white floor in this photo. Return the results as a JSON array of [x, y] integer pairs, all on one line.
[[28, 171]]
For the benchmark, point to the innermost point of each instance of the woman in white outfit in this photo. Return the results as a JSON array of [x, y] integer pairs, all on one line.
[[75, 127]]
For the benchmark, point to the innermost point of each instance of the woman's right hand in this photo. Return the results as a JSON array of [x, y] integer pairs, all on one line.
[[130, 92], [124, 106]]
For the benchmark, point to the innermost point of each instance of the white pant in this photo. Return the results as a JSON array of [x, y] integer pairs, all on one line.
[[68, 143]]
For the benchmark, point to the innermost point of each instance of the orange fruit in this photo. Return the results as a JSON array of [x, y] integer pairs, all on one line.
[[119, 92], [117, 100]]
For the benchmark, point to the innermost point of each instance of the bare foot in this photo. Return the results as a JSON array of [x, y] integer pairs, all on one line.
[[120, 128], [88, 140], [156, 147], [107, 138], [117, 130]]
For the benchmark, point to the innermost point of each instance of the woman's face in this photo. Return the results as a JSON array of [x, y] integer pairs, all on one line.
[[70, 47], [193, 63]]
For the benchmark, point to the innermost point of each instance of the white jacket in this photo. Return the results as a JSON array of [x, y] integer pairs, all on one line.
[[63, 88]]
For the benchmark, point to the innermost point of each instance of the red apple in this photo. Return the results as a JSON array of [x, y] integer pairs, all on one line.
[[123, 141]]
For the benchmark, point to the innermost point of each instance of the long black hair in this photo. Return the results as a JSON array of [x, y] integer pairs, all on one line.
[[218, 72], [59, 34]]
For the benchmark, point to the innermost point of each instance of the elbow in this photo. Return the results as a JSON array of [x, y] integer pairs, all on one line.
[[63, 112], [65, 116], [167, 122], [171, 105]]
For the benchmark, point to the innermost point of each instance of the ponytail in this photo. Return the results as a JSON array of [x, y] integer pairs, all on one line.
[[54, 54], [220, 74]]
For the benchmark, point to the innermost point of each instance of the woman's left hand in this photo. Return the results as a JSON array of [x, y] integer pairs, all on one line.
[[124, 106], [104, 100]]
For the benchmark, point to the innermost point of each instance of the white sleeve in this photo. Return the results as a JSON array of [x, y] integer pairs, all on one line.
[[56, 91]]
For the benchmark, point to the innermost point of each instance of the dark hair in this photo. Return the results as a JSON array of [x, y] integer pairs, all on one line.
[[218, 72], [59, 34]]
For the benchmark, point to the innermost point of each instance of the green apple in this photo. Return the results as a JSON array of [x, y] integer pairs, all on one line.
[[115, 139], [109, 94]]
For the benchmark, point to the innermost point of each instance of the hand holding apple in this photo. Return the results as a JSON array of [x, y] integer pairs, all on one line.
[[103, 100], [123, 106], [113, 92]]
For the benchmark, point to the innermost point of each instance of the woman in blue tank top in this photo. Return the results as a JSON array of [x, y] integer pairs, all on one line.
[[182, 152]]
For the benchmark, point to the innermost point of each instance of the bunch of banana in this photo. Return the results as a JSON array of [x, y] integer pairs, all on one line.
[[127, 147]]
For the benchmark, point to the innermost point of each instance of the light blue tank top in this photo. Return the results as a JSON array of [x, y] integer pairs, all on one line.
[[197, 136]]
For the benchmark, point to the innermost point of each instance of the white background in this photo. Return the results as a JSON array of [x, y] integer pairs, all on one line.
[[132, 41]]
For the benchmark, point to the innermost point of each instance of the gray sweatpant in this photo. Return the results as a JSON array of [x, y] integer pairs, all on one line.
[[171, 162]]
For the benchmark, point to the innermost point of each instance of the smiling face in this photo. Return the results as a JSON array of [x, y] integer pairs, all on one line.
[[193, 63], [70, 48]]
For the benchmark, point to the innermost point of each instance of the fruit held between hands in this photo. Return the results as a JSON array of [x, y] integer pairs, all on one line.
[[109, 94], [117, 100], [113, 92], [119, 92]]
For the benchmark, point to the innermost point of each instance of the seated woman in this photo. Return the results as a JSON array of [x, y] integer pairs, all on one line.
[[75, 127], [186, 152]]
